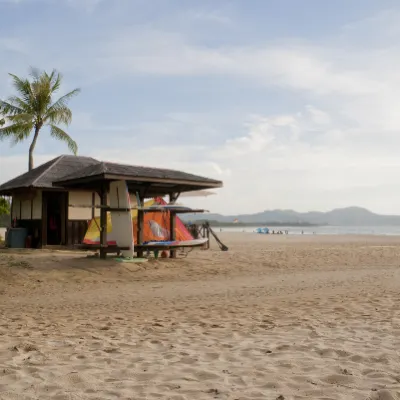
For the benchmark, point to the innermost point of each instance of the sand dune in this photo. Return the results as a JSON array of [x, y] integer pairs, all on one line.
[[273, 318]]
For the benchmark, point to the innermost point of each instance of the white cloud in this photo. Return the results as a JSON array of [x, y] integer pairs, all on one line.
[[319, 117], [87, 5], [339, 148], [302, 66], [210, 16]]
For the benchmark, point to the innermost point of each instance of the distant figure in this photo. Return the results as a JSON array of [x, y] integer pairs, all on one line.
[[302, 232]]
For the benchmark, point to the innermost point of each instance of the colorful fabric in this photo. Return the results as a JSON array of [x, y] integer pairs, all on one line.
[[156, 226]]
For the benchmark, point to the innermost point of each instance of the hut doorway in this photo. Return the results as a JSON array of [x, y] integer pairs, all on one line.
[[55, 216]]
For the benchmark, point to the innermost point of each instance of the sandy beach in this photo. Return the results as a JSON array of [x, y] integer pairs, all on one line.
[[275, 317]]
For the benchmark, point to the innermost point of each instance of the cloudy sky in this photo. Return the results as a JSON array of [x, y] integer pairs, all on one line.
[[293, 104]]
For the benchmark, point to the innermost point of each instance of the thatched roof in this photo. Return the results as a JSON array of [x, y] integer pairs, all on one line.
[[44, 175], [80, 172]]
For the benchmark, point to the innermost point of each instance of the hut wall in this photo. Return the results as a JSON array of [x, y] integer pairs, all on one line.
[[26, 209], [80, 213], [37, 205], [78, 217], [16, 208], [27, 206], [97, 202]]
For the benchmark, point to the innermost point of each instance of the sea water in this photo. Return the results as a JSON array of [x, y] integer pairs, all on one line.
[[320, 230]]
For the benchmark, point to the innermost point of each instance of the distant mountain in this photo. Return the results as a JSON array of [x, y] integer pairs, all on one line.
[[341, 216]]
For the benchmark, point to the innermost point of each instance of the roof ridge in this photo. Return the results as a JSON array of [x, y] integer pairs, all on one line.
[[144, 166], [104, 167], [48, 169]]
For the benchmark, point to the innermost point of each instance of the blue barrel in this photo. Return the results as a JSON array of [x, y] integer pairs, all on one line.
[[16, 238]]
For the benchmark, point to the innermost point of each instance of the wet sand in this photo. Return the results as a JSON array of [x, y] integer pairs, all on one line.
[[275, 317]]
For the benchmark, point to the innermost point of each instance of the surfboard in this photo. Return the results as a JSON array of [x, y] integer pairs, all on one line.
[[179, 243], [122, 228]]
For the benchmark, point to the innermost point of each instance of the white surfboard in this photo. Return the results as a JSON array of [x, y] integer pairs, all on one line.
[[122, 229], [180, 243]]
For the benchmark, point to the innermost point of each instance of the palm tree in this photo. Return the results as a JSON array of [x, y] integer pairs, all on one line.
[[34, 108]]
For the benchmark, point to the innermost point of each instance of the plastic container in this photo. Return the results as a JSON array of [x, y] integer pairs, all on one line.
[[16, 238]]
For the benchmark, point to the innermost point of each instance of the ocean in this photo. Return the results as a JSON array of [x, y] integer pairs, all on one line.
[[322, 230]]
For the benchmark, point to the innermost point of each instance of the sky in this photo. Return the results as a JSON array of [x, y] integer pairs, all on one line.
[[292, 104]]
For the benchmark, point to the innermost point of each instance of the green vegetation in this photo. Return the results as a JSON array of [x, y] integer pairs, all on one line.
[[5, 210], [5, 206], [34, 108]]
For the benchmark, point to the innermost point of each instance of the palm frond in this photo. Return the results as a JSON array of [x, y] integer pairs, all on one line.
[[23, 87], [63, 100], [59, 134], [7, 108], [24, 118], [55, 80], [42, 94], [62, 115], [59, 109], [17, 132], [32, 107], [19, 103]]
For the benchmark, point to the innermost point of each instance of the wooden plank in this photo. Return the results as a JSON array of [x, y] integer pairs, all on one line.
[[63, 216], [12, 210], [172, 229], [66, 220], [44, 219], [117, 209], [69, 233], [93, 204], [103, 222], [140, 231]]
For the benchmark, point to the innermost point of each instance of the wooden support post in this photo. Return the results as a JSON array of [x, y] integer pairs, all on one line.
[[103, 222], [44, 219], [93, 204], [140, 229], [173, 197], [172, 229], [12, 210]]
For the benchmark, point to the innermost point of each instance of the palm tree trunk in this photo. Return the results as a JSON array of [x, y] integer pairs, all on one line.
[[32, 147]]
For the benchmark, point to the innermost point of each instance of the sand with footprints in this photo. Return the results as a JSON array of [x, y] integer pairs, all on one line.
[[275, 317]]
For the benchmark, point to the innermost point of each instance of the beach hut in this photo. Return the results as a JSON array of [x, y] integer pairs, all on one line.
[[56, 200]]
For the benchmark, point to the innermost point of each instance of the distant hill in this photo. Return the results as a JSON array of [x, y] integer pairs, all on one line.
[[341, 216]]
